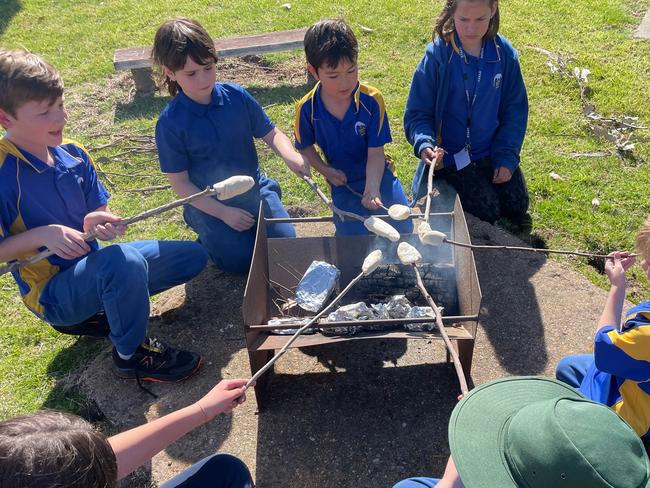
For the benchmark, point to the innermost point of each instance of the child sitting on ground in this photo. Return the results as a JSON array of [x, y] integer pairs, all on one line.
[[468, 97], [206, 134], [618, 371], [49, 196], [348, 122], [56, 449]]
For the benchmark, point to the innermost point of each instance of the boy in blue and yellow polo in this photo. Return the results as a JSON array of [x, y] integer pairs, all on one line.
[[618, 372], [347, 120], [49, 196]]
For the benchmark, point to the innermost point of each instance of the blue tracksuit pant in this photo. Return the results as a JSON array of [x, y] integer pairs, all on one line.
[[216, 471], [231, 250], [119, 279]]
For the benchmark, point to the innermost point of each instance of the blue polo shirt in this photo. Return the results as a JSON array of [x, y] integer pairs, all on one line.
[[620, 374], [485, 113], [33, 194], [215, 141], [344, 143]]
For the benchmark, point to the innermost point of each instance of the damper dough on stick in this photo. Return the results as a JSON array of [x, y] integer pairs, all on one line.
[[407, 254], [372, 262], [428, 236], [399, 212], [381, 228], [233, 186]]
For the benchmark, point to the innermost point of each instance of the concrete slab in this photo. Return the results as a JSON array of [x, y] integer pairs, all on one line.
[[644, 29], [363, 414]]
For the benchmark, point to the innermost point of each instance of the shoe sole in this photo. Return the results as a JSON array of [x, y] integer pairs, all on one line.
[[153, 379]]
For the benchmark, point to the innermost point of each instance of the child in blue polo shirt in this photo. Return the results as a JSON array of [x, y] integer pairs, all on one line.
[[207, 134], [468, 97], [348, 122], [618, 372], [49, 196]]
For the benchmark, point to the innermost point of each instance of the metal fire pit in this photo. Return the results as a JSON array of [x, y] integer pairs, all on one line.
[[449, 274]]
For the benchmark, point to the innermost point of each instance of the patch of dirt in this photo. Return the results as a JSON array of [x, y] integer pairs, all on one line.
[[245, 69]]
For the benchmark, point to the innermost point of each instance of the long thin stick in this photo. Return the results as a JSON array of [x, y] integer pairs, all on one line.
[[427, 209], [360, 195], [301, 330], [12, 265], [530, 249], [341, 213], [454, 355]]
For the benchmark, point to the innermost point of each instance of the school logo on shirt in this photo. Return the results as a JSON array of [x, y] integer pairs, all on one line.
[[497, 81], [360, 129]]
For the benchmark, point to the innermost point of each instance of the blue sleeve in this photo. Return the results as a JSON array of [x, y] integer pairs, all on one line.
[[7, 216], [379, 130], [260, 122], [95, 193], [513, 112], [623, 354], [419, 115], [172, 150], [303, 131]]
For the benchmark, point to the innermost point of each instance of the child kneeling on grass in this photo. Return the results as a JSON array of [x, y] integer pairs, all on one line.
[[52, 448], [206, 134], [348, 121], [49, 196], [618, 371]]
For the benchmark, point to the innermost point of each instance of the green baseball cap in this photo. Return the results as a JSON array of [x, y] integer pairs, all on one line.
[[539, 433]]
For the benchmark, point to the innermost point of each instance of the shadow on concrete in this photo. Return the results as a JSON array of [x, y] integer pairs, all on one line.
[[8, 10], [373, 426]]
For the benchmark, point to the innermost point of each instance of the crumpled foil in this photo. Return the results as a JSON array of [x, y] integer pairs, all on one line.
[[380, 312], [354, 311], [299, 322], [398, 307], [316, 285], [417, 312]]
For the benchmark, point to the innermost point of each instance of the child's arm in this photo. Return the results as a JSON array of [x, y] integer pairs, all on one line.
[[135, 447], [105, 223], [615, 269], [63, 241], [281, 145], [334, 176], [374, 172], [237, 218]]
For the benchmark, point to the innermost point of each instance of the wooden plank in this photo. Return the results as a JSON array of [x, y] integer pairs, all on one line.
[[266, 342], [140, 57]]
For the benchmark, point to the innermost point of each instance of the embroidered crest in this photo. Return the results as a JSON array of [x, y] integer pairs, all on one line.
[[360, 129], [497, 81]]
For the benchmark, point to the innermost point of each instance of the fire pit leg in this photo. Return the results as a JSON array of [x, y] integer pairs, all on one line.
[[257, 360], [465, 350]]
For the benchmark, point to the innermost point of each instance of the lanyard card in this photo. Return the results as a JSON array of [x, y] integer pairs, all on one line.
[[462, 159]]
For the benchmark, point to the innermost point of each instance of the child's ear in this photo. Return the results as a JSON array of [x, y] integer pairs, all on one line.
[[313, 72], [6, 120], [169, 73]]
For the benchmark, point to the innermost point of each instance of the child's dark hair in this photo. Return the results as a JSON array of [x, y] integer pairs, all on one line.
[[56, 450], [26, 77], [330, 42], [175, 41], [445, 23]]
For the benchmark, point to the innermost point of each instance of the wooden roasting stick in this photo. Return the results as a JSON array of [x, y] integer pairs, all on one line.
[[341, 213], [372, 261], [439, 236], [408, 255], [223, 190]]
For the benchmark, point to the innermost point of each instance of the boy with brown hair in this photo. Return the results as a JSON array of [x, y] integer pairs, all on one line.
[[49, 196], [618, 371]]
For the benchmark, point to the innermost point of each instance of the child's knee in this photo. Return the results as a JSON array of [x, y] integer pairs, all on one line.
[[123, 262], [234, 258]]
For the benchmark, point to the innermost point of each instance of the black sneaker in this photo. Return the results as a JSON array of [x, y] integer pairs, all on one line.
[[156, 361]]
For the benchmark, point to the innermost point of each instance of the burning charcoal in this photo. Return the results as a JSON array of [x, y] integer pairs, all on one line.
[[417, 312], [398, 307], [346, 330], [316, 285], [298, 322]]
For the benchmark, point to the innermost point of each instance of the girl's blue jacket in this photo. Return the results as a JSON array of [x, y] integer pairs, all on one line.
[[428, 95]]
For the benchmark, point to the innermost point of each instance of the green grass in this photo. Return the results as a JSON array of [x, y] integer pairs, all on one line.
[[79, 37]]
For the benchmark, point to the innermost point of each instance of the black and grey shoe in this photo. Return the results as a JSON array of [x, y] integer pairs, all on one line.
[[156, 361]]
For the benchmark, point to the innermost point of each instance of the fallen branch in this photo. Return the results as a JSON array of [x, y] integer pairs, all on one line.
[[148, 189]]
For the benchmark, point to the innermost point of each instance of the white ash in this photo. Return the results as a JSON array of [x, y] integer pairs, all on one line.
[[298, 322], [316, 285]]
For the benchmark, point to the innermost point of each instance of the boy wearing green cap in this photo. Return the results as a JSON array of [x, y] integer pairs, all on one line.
[[618, 371], [538, 433]]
